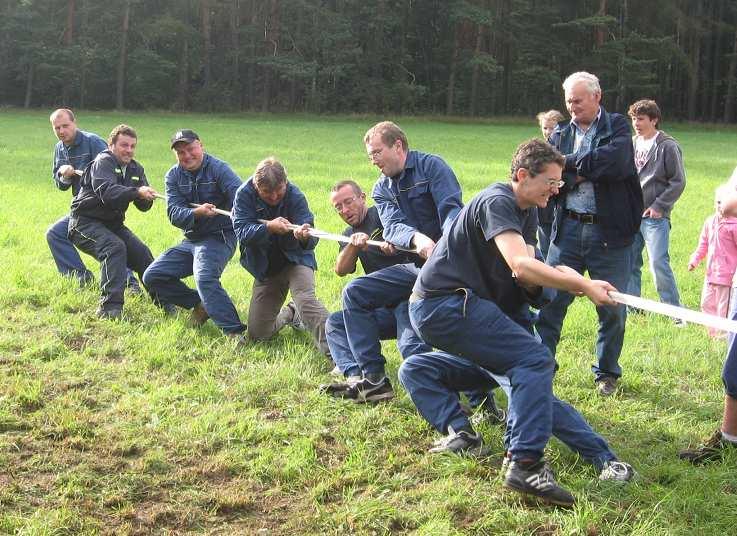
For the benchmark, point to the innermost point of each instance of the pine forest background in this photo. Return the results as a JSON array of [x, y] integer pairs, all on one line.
[[474, 58]]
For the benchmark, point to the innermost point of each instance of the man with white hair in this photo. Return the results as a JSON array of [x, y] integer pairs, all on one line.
[[597, 214]]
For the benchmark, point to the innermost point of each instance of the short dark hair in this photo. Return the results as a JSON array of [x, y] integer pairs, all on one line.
[[70, 114], [533, 155], [121, 130], [347, 182], [389, 132], [269, 174], [645, 107]]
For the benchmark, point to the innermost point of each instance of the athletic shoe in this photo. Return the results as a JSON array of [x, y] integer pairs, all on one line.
[[489, 412], [616, 471], [367, 391], [198, 316], [340, 387], [712, 450], [336, 372], [606, 385], [288, 316], [537, 480], [461, 443], [240, 340]]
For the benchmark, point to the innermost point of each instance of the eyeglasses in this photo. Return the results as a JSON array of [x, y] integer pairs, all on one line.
[[347, 203], [557, 184]]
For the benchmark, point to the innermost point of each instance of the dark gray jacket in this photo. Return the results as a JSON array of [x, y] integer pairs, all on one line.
[[662, 178]]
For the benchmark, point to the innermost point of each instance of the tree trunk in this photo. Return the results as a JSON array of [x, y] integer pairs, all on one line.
[[123, 58], [450, 92], [271, 34], [251, 77], [473, 106], [206, 41], [235, 23], [67, 40], [731, 84], [29, 86], [183, 83]]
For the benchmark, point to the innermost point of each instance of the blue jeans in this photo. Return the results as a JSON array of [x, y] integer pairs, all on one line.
[[66, 257], [655, 235], [392, 323], [205, 259], [432, 380], [581, 247], [477, 330], [361, 298]]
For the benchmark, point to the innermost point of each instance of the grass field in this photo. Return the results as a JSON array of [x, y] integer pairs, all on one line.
[[147, 426]]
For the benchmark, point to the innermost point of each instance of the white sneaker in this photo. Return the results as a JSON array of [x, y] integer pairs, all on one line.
[[616, 471]]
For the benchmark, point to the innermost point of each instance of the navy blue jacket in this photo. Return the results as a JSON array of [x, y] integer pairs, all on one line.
[[610, 166], [215, 182], [424, 197], [83, 150], [105, 192], [255, 240]]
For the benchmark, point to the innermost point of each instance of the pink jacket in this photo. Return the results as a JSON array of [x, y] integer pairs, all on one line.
[[718, 243]]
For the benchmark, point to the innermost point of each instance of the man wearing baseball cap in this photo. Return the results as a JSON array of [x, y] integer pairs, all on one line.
[[209, 241]]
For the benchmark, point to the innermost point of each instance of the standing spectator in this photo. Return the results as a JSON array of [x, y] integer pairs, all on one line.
[[597, 213], [548, 121], [718, 243], [659, 166]]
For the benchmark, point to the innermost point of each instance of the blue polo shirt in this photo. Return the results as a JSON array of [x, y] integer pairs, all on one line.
[[83, 150], [215, 182], [257, 245], [424, 197]]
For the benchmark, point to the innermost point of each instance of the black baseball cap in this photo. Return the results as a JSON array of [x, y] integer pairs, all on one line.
[[184, 135]]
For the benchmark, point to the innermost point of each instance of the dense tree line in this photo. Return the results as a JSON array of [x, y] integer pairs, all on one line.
[[455, 57]]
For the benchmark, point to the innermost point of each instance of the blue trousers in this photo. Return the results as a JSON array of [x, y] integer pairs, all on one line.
[[729, 372], [581, 247], [384, 288], [392, 323], [205, 259], [433, 379], [477, 330], [66, 257], [655, 235]]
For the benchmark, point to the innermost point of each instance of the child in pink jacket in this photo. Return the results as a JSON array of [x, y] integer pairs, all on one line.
[[718, 243]]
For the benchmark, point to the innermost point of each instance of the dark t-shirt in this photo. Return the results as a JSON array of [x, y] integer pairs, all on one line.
[[373, 259], [467, 256]]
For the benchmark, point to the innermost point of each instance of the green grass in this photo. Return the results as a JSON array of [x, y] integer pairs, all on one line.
[[147, 426]]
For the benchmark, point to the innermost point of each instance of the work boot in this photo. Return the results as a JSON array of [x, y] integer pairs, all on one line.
[[198, 316], [712, 450]]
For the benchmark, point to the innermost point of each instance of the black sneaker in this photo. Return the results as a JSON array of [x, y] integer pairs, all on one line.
[[711, 450], [368, 391], [462, 443], [538, 480], [335, 388]]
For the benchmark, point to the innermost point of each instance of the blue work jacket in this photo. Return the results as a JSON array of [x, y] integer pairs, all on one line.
[[610, 166], [83, 150], [215, 182], [424, 197], [255, 240]]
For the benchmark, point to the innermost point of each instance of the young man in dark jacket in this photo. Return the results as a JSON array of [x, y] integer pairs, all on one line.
[[209, 241], [281, 259], [109, 184], [597, 214], [659, 164]]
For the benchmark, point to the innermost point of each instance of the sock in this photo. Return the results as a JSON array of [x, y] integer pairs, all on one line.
[[729, 437]]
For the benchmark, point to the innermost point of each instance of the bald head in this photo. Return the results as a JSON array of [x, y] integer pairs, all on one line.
[[64, 125]]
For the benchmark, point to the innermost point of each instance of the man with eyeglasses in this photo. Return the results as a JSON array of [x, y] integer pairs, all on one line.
[[417, 197], [364, 224]]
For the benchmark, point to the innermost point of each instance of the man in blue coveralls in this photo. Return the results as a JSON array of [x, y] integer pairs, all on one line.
[[279, 257], [417, 197], [472, 298], [433, 378], [209, 241], [73, 152]]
